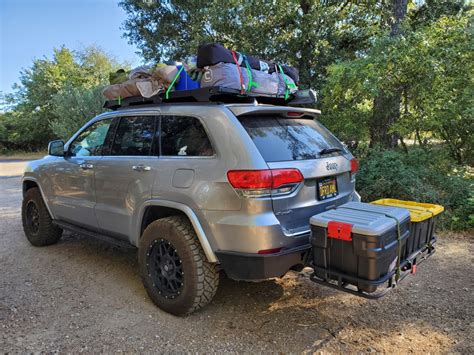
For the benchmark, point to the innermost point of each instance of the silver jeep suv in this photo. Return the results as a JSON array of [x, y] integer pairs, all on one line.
[[197, 188]]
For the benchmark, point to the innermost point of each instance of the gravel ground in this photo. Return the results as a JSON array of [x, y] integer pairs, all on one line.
[[84, 295]]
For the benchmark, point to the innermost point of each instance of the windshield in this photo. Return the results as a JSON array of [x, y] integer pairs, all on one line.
[[283, 139]]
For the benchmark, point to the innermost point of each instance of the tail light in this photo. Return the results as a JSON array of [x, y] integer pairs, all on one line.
[[264, 183], [283, 177], [354, 166]]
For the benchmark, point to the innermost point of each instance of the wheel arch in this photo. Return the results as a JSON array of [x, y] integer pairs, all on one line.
[[155, 209], [30, 182]]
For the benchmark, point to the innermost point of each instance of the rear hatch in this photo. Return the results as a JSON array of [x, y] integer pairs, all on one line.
[[295, 139]]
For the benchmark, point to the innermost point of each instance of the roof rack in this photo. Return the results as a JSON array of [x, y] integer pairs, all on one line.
[[214, 94]]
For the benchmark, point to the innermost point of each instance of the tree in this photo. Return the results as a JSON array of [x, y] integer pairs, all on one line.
[[31, 101], [431, 11], [431, 68], [386, 108], [32, 110], [73, 107], [307, 34], [311, 35]]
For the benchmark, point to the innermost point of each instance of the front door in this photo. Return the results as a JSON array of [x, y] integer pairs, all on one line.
[[72, 178]]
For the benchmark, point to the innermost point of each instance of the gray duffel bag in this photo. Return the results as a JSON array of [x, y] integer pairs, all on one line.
[[227, 75], [224, 74]]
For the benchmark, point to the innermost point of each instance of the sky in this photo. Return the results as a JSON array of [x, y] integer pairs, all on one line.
[[30, 29]]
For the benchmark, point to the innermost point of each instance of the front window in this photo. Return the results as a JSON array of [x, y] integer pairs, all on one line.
[[90, 142]]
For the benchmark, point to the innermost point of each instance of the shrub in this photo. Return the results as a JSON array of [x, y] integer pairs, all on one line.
[[419, 175], [73, 107]]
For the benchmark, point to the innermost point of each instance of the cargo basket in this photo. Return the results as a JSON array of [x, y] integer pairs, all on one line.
[[362, 249], [347, 283], [422, 217]]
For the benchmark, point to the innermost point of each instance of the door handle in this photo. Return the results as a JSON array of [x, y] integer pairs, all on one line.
[[86, 166], [141, 168]]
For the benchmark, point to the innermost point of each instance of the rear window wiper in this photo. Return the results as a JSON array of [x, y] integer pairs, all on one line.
[[330, 150]]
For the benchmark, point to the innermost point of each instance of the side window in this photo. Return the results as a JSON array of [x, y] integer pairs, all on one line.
[[90, 141], [184, 136], [134, 136]]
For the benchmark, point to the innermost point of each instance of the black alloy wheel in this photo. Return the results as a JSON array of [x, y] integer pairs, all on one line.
[[32, 217], [165, 268]]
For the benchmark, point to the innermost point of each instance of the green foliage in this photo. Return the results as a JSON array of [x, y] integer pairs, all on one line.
[[73, 107], [342, 49], [430, 11], [21, 131], [35, 111], [421, 175], [307, 34], [432, 68]]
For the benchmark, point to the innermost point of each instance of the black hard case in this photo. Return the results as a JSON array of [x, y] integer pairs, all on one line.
[[366, 257]]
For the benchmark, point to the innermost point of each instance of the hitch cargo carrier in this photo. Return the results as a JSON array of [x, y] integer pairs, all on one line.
[[364, 249], [343, 282]]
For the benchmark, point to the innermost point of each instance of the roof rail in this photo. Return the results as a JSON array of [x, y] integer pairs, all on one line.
[[214, 94]]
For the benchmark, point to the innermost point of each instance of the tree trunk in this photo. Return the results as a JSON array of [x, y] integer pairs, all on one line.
[[399, 11], [405, 148], [418, 137], [386, 109], [305, 45]]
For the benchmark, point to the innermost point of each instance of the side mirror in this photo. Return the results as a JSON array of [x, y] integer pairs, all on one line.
[[56, 148]]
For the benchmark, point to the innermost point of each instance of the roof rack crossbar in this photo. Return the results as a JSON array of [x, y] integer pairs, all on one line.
[[214, 94]]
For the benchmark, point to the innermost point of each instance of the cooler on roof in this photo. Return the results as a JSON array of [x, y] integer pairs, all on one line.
[[185, 82], [359, 241]]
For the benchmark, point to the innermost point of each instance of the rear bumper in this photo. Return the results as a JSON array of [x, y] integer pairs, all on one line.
[[247, 266]]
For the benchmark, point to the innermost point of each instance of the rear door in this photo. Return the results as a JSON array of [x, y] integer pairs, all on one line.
[[296, 140], [125, 174], [187, 159]]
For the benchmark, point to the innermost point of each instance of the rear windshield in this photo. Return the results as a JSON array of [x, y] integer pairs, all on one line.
[[283, 139]]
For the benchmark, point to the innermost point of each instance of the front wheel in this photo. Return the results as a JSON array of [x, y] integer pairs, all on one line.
[[174, 269], [37, 223]]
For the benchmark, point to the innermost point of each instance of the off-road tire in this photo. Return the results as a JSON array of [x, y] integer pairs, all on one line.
[[45, 232], [200, 278]]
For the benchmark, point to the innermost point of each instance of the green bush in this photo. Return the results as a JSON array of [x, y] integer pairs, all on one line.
[[419, 175], [73, 107]]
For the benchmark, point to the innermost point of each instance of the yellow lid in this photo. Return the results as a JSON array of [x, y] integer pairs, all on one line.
[[418, 211]]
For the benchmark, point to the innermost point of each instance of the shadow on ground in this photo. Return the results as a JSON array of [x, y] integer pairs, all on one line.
[[286, 314], [85, 295]]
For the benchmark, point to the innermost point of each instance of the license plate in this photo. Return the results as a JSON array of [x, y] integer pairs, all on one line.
[[327, 188]]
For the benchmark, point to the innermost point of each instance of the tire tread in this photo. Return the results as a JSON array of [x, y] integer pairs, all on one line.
[[207, 274], [49, 233]]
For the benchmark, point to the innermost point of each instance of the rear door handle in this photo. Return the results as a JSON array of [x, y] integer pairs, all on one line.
[[86, 166], [141, 168]]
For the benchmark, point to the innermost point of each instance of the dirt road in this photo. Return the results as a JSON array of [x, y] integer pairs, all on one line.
[[85, 295]]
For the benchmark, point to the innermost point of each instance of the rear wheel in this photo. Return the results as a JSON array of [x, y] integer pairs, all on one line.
[[174, 269], [37, 223]]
